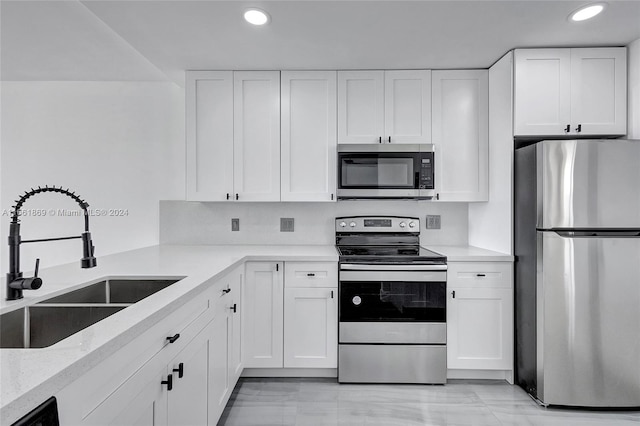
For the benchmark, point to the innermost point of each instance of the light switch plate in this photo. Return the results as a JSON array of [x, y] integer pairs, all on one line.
[[433, 221], [286, 224], [235, 224]]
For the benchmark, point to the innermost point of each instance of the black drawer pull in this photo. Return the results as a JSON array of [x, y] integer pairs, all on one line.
[[179, 370], [168, 382], [579, 128], [453, 294], [567, 129], [332, 294], [480, 275], [234, 308], [311, 274], [173, 338], [226, 290]]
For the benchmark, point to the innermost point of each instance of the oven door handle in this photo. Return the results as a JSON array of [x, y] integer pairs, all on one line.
[[393, 267], [391, 276]]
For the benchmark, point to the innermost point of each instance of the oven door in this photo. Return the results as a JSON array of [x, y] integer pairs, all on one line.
[[392, 306]]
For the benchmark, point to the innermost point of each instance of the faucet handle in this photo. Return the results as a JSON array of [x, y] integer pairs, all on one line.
[[35, 275]]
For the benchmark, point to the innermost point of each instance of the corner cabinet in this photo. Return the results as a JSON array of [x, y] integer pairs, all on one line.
[[480, 318], [233, 135], [384, 106], [308, 144], [570, 92], [460, 122]]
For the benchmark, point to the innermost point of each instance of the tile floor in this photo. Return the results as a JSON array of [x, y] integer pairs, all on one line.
[[319, 402]]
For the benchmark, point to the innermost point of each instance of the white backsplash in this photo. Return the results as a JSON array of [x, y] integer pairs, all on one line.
[[184, 222]]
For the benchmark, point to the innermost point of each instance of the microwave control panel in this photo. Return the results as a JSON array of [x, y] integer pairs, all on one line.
[[426, 171]]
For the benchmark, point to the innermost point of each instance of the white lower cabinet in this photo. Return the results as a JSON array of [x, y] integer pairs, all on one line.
[[291, 315], [310, 327], [480, 316]]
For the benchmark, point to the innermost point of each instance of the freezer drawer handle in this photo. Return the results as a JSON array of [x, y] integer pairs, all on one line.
[[173, 338]]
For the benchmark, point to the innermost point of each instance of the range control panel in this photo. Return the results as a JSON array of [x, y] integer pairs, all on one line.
[[377, 224]]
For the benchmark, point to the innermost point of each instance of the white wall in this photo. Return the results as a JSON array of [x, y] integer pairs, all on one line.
[[633, 125], [183, 222], [490, 224], [120, 145]]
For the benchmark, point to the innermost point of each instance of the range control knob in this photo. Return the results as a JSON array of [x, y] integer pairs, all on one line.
[[402, 224], [352, 224], [343, 224], [412, 225]]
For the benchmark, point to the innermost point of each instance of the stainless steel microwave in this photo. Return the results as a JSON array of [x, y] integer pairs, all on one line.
[[368, 171]]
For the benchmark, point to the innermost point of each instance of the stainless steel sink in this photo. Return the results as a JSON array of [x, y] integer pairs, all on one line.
[[113, 291], [50, 321], [39, 326]]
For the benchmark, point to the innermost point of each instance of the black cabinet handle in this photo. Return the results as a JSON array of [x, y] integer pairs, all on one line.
[[277, 267], [389, 139], [234, 308], [437, 196], [237, 196], [453, 294], [331, 197], [228, 195], [579, 128], [311, 274], [332, 294], [380, 139], [179, 370], [226, 290], [173, 338], [480, 275], [567, 129], [168, 382]]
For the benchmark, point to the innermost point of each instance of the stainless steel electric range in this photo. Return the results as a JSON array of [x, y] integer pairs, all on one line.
[[392, 303]]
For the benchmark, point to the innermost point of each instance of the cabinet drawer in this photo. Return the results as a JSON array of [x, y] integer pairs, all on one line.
[[311, 274], [480, 274]]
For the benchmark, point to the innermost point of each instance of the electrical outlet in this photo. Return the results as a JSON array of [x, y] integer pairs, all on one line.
[[286, 224], [235, 224], [433, 221]]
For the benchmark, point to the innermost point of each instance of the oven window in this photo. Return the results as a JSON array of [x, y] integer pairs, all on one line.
[[376, 172], [393, 301]]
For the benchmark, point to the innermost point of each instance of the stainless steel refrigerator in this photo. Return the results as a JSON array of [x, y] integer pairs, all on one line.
[[577, 271]]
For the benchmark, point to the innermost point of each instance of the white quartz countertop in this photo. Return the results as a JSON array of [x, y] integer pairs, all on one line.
[[29, 376], [470, 254]]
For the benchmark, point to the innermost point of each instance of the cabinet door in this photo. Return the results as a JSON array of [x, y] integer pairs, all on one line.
[[461, 134], [209, 127], [480, 328], [262, 333], [140, 401], [599, 91], [407, 106], [360, 106], [219, 384], [187, 402], [235, 345], [256, 138], [308, 135], [310, 327], [542, 95]]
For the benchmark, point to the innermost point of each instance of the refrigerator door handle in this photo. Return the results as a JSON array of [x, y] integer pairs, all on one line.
[[577, 233]]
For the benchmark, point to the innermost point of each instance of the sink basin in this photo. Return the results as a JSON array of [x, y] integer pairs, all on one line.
[[39, 326], [113, 291], [54, 319]]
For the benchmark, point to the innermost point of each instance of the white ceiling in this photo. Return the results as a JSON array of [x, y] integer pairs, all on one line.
[[155, 40]]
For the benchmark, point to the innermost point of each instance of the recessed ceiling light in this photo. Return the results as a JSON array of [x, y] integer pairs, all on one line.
[[587, 12], [256, 16]]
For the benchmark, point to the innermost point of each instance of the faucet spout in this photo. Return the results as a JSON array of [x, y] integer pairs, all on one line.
[[15, 282]]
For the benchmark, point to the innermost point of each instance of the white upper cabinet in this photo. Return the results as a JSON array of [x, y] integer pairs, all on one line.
[[360, 106], [209, 105], [580, 91], [384, 106], [407, 106], [256, 136], [308, 143], [461, 134]]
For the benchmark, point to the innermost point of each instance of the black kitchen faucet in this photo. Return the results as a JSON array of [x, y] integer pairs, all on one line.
[[15, 282]]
